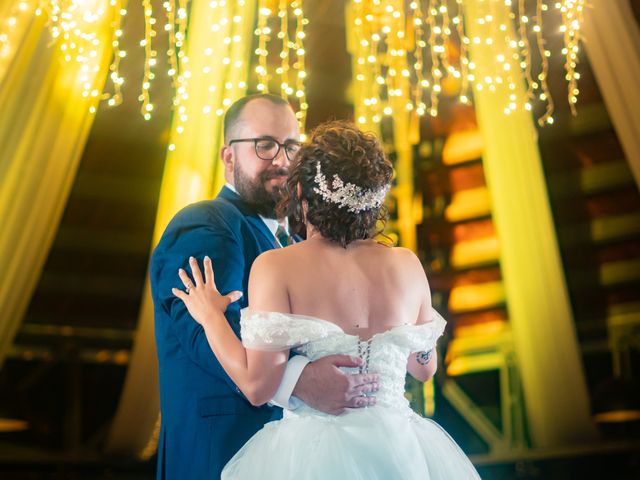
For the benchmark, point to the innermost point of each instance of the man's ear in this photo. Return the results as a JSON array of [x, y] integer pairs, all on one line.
[[228, 158], [299, 190]]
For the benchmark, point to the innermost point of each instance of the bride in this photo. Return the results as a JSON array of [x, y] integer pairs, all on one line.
[[340, 291]]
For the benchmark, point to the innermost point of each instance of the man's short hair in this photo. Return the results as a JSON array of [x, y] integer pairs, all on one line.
[[234, 111]]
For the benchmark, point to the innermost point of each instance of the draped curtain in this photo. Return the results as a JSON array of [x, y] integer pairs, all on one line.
[[44, 123], [612, 41], [193, 171], [551, 369]]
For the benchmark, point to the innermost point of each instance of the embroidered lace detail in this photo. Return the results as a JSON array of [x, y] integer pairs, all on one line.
[[273, 331], [386, 352]]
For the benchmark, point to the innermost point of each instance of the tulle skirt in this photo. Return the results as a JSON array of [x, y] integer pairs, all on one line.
[[368, 444]]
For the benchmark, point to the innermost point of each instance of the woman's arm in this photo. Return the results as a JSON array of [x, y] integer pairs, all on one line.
[[422, 365], [256, 373]]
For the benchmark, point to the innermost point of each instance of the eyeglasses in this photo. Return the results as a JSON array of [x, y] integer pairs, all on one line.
[[268, 148]]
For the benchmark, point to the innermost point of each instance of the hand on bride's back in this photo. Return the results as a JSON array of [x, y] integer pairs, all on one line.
[[201, 297], [325, 387]]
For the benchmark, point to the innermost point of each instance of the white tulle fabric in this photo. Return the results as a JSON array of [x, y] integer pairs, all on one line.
[[387, 441]]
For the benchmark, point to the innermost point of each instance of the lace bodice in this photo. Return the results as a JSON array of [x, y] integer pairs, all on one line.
[[385, 353]]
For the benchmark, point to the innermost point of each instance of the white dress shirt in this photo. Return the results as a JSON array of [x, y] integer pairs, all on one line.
[[283, 397]]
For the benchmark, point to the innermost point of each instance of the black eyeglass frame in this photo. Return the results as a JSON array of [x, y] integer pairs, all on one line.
[[270, 139]]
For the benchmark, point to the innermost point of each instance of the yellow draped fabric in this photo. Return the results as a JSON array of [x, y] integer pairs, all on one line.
[[193, 172], [44, 124], [540, 315], [405, 123], [612, 40], [11, 32]]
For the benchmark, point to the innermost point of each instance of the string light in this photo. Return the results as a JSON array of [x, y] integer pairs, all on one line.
[[263, 34], [546, 94], [426, 39], [149, 59], [69, 23], [115, 98], [299, 65], [436, 74], [176, 19], [72, 27], [572, 18], [419, 45], [178, 59], [290, 72], [172, 55], [14, 22], [283, 35], [395, 65], [525, 50], [464, 56]]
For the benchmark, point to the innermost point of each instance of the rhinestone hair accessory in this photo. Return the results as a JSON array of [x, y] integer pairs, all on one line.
[[348, 195]]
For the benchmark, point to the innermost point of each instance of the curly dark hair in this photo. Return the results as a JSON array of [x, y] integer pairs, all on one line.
[[356, 157]]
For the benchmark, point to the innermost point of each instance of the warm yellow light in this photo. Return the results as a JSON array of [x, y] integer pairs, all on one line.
[[421, 60]]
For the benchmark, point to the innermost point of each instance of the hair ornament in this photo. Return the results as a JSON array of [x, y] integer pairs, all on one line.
[[348, 195]]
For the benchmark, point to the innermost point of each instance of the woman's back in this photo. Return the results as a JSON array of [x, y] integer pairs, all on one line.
[[365, 288]]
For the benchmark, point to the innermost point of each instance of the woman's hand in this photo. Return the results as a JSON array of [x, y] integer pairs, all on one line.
[[203, 300]]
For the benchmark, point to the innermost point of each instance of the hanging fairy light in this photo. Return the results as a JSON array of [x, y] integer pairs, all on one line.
[[263, 32], [544, 74], [150, 59], [15, 21], [68, 21], [226, 33], [176, 20], [117, 81], [283, 35], [572, 18], [213, 58], [71, 26], [466, 74], [290, 73], [299, 65], [403, 48]]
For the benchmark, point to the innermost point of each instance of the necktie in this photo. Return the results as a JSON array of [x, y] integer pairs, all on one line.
[[283, 236]]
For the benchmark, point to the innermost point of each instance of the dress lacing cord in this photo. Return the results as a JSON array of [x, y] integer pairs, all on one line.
[[364, 352]]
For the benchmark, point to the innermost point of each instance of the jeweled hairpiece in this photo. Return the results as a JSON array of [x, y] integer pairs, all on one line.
[[348, 195]]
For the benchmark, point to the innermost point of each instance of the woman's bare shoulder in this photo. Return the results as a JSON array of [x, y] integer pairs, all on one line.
[[276, 258], [407, 263], [269, 257], [405, 255]]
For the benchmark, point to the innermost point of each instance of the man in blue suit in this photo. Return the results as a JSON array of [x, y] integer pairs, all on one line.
[[205, 417]]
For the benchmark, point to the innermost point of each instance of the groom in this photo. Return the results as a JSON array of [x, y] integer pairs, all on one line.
[[205, 417]]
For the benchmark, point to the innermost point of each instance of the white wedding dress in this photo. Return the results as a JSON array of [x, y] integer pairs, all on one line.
[[388, 441]]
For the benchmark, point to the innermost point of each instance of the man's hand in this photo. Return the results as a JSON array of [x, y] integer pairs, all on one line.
[[323, 386]]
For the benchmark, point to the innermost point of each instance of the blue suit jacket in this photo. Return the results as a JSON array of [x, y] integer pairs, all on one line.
[[205, 417]]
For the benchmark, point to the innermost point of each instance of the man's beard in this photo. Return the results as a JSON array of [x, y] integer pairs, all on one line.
[[254, 193]]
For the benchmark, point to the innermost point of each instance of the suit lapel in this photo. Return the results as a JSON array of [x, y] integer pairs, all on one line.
[[251, 217], [259, 225]]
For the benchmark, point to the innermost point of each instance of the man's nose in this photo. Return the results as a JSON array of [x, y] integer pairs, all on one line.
[[281, 158]]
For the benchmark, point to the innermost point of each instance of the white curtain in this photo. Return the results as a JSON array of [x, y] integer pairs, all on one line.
[[193, 172], [612, 39], [540, 316], [44, 124]]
